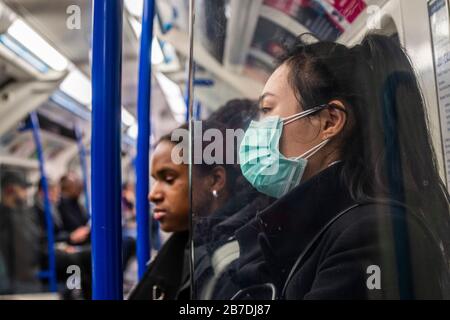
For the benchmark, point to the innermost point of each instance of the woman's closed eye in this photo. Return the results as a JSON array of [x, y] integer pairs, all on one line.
[[167, 176], [169, 179], [264, 110]]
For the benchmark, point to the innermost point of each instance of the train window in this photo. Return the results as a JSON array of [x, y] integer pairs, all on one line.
[[237, 150]]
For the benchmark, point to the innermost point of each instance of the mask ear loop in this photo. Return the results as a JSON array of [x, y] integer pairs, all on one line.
[[308, 154], [303, 114]]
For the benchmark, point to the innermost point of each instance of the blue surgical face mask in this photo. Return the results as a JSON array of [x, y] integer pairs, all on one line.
[[261, 162]]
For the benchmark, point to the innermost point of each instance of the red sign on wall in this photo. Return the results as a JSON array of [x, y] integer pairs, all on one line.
[[327, 19], [350, 9]]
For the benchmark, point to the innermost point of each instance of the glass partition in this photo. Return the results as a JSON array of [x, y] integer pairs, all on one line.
[[319, 170]]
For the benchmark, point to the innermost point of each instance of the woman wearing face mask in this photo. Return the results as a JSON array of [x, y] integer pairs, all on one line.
[[362, 213]]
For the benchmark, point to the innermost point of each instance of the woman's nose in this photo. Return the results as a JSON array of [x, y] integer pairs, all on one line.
[[155, 195]]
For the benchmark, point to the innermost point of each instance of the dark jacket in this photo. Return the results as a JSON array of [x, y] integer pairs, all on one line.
[[60, 234], [72, 214], [164, 276], [341, 263], [19, 249], [217, 230]]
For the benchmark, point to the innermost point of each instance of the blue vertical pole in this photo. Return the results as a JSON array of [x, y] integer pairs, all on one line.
[[143, 140], [197, 110], [106, 149], [47, 206], [82, 152]]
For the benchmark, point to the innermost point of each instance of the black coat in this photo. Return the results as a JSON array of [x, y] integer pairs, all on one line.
[[339, 264], [19, 250], [165, 274], [73, 215], [60, 235], [218, 229]]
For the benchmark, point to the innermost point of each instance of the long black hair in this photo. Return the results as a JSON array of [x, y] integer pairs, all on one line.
[[386, 146]]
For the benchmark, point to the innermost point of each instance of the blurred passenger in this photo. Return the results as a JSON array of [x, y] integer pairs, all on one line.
[[61, 235], [66, 254], [19, 236], [128, 206], [74, 216], [128, 223], [362, 212]]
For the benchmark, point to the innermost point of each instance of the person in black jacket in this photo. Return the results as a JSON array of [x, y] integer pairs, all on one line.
[[74, 217], [65, 254], [61, 235], [362, 212], [19, 237]]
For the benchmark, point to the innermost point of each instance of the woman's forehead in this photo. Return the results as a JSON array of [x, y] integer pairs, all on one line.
[[162, 157], [277, 84]]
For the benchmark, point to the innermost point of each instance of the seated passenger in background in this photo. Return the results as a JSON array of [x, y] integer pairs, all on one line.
[[65, 253], [128, 223], [19, 237], [128, 208], [61, 235], [73, 214]]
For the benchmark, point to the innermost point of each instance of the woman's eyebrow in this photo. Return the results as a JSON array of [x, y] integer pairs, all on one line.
[[265, 95], [165, 171]]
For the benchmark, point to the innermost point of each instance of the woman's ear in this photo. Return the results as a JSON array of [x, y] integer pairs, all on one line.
[[218, 179], [333, 119]]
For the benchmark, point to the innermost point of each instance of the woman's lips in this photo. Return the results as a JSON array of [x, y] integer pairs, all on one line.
[[159, 214]]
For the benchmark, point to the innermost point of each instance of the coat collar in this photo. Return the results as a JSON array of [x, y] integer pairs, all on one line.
[[286, 227]]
